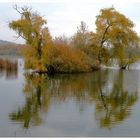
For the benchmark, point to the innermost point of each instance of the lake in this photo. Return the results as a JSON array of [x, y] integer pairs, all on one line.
[[104, 103]]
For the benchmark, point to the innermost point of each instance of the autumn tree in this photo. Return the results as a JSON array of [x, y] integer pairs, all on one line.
[[114, 30], [81, 38], [63, 40], [33, 28]]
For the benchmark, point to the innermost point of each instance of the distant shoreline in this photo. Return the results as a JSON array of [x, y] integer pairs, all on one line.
[[4, 56]]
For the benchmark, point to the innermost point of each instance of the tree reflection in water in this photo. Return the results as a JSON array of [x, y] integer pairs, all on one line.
[[113, 103], [36, 101]]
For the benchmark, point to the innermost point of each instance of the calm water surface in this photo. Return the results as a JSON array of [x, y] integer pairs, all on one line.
[[103, 103]]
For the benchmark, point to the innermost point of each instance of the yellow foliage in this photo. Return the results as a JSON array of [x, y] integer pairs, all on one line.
[[115, 31], [66, 59]]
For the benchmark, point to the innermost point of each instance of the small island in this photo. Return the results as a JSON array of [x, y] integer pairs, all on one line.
[[70, 69], [114, 41]]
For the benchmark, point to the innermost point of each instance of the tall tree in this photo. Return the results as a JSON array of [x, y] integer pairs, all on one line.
[[33, 28], [114, 30]]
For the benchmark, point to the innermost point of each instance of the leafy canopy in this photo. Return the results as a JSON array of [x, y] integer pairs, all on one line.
[[33, 28], [114, 30]]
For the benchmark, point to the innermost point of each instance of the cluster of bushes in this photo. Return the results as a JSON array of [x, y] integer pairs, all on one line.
[[67, 59]]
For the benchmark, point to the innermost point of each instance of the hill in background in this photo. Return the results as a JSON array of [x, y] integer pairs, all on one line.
[[3, 42], [10, 48]]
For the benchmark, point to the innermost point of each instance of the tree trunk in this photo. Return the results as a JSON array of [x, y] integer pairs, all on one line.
[[124, 67], [39, 48]]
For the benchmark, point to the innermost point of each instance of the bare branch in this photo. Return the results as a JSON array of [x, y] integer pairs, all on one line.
[[104, 34], [16, 37], [23, 36], [16, 8]]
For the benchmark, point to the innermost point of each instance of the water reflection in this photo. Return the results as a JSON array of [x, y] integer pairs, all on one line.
[[37, 101], [8, 68], [107, 90], [115, 104]]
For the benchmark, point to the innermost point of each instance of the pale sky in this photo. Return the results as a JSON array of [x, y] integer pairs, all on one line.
[[64, 16]]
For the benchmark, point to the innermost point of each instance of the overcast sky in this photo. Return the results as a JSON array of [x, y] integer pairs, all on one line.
[[64, 16]]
